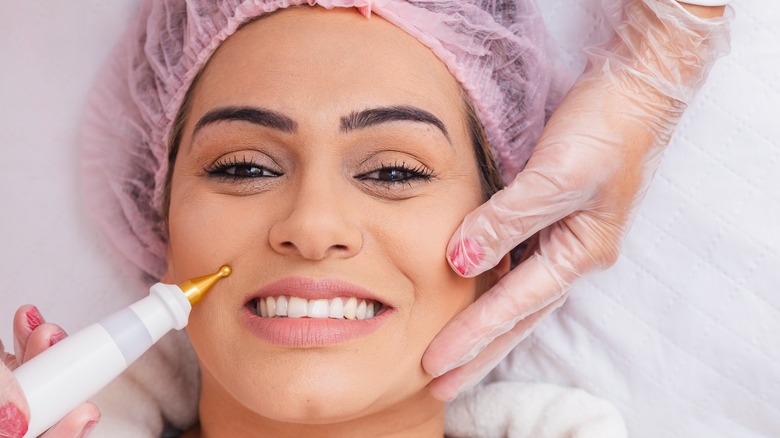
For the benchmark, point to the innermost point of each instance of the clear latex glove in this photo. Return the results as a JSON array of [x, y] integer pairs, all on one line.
[[581, 187], [32, 335]]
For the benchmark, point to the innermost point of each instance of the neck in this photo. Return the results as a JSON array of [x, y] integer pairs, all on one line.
[[222, 416]]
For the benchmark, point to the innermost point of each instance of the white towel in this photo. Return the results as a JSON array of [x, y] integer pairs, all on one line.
[[532, 410]]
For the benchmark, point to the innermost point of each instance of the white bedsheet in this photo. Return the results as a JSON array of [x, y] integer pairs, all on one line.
[[682, 334]]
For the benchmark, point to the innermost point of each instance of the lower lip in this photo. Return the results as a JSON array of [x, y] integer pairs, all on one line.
[[311, 332]]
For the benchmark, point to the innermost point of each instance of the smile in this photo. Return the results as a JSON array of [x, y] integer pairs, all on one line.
[[283, 306], [307, 312]]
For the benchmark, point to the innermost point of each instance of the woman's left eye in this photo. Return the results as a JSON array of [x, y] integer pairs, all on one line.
[[396, 174]]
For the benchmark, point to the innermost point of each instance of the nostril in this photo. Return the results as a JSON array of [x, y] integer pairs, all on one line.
[[288, 245]]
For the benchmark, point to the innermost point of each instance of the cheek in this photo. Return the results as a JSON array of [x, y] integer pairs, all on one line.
[[207, 230], [420, 254]]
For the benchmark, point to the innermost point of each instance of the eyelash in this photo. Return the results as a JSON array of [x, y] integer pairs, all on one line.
[[220, 169], [413, 173]]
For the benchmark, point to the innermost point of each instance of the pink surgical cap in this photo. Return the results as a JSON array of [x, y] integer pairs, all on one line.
[[496, 49]]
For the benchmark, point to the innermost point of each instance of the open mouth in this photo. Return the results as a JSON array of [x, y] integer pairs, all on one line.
[[343, 308]]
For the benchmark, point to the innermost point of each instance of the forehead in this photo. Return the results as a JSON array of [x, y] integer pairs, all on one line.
[[306, 60]]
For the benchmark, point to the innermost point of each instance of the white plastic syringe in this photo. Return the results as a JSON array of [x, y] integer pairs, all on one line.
[[76, 368]]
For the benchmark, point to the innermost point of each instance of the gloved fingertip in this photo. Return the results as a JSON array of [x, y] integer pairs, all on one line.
[[13, 422], [465, 256], [57, 337], [34, 318], [447, 396], [443, 370], [449, 367], [443, 393], [88, 428]]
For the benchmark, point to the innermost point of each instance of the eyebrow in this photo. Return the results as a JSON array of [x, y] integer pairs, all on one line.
[[376, 116], [259, 116], [352, 122]]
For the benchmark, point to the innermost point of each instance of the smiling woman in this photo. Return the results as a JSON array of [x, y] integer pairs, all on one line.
[[327, 154], [333, 196]]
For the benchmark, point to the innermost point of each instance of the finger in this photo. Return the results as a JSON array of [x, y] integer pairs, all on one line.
[[452, 383], [14, 413], [78, 423], [530, 287], [26, 319], [532, 246], [42, 338], [532, 202]]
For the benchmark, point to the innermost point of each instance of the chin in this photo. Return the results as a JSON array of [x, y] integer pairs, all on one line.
[[312, 388], [317, 405]]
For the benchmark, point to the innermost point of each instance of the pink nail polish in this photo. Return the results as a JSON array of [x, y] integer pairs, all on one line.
[[466, 255], [34, 318], [12, 422], [88, 428], [56, 337]]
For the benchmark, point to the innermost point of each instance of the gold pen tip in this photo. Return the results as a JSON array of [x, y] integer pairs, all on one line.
[[225, 271], [195, 289]]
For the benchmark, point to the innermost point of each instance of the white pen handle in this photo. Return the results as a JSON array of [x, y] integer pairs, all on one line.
[[76, 368]]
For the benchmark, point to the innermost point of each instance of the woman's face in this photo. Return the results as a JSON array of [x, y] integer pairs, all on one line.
[[326, 158]]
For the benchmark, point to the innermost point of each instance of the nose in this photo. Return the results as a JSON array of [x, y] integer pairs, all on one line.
[[318, 225]]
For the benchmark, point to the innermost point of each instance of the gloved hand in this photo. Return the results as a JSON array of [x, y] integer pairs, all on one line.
[[581, 188], [32, 335]]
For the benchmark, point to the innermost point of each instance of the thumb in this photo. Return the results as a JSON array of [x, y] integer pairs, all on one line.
[[13, 406], [527, 289], [532, 202]]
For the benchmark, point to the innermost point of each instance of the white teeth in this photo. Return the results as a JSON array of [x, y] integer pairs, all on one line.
[[318, 309], [270, 304], [281, 306], [360, 312], [336, 308], [263, 309], [296, 307], [350, 307]]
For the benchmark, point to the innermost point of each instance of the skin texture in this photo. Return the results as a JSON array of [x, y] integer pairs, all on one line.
[[322, 212]]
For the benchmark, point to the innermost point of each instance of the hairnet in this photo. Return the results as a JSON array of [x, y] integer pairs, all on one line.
[[496, 49]]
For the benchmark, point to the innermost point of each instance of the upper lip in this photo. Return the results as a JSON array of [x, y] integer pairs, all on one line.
[[314, 289]]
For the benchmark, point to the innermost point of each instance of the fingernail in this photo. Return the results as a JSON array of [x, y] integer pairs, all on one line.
[[13, 424], [34, 318], [452, 366], [447, 368], [56, 337], [466, 255], [477, 348], [443, 396], [88, 428]]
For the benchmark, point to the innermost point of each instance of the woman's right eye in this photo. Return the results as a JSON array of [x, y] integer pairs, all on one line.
[[240, 170]]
